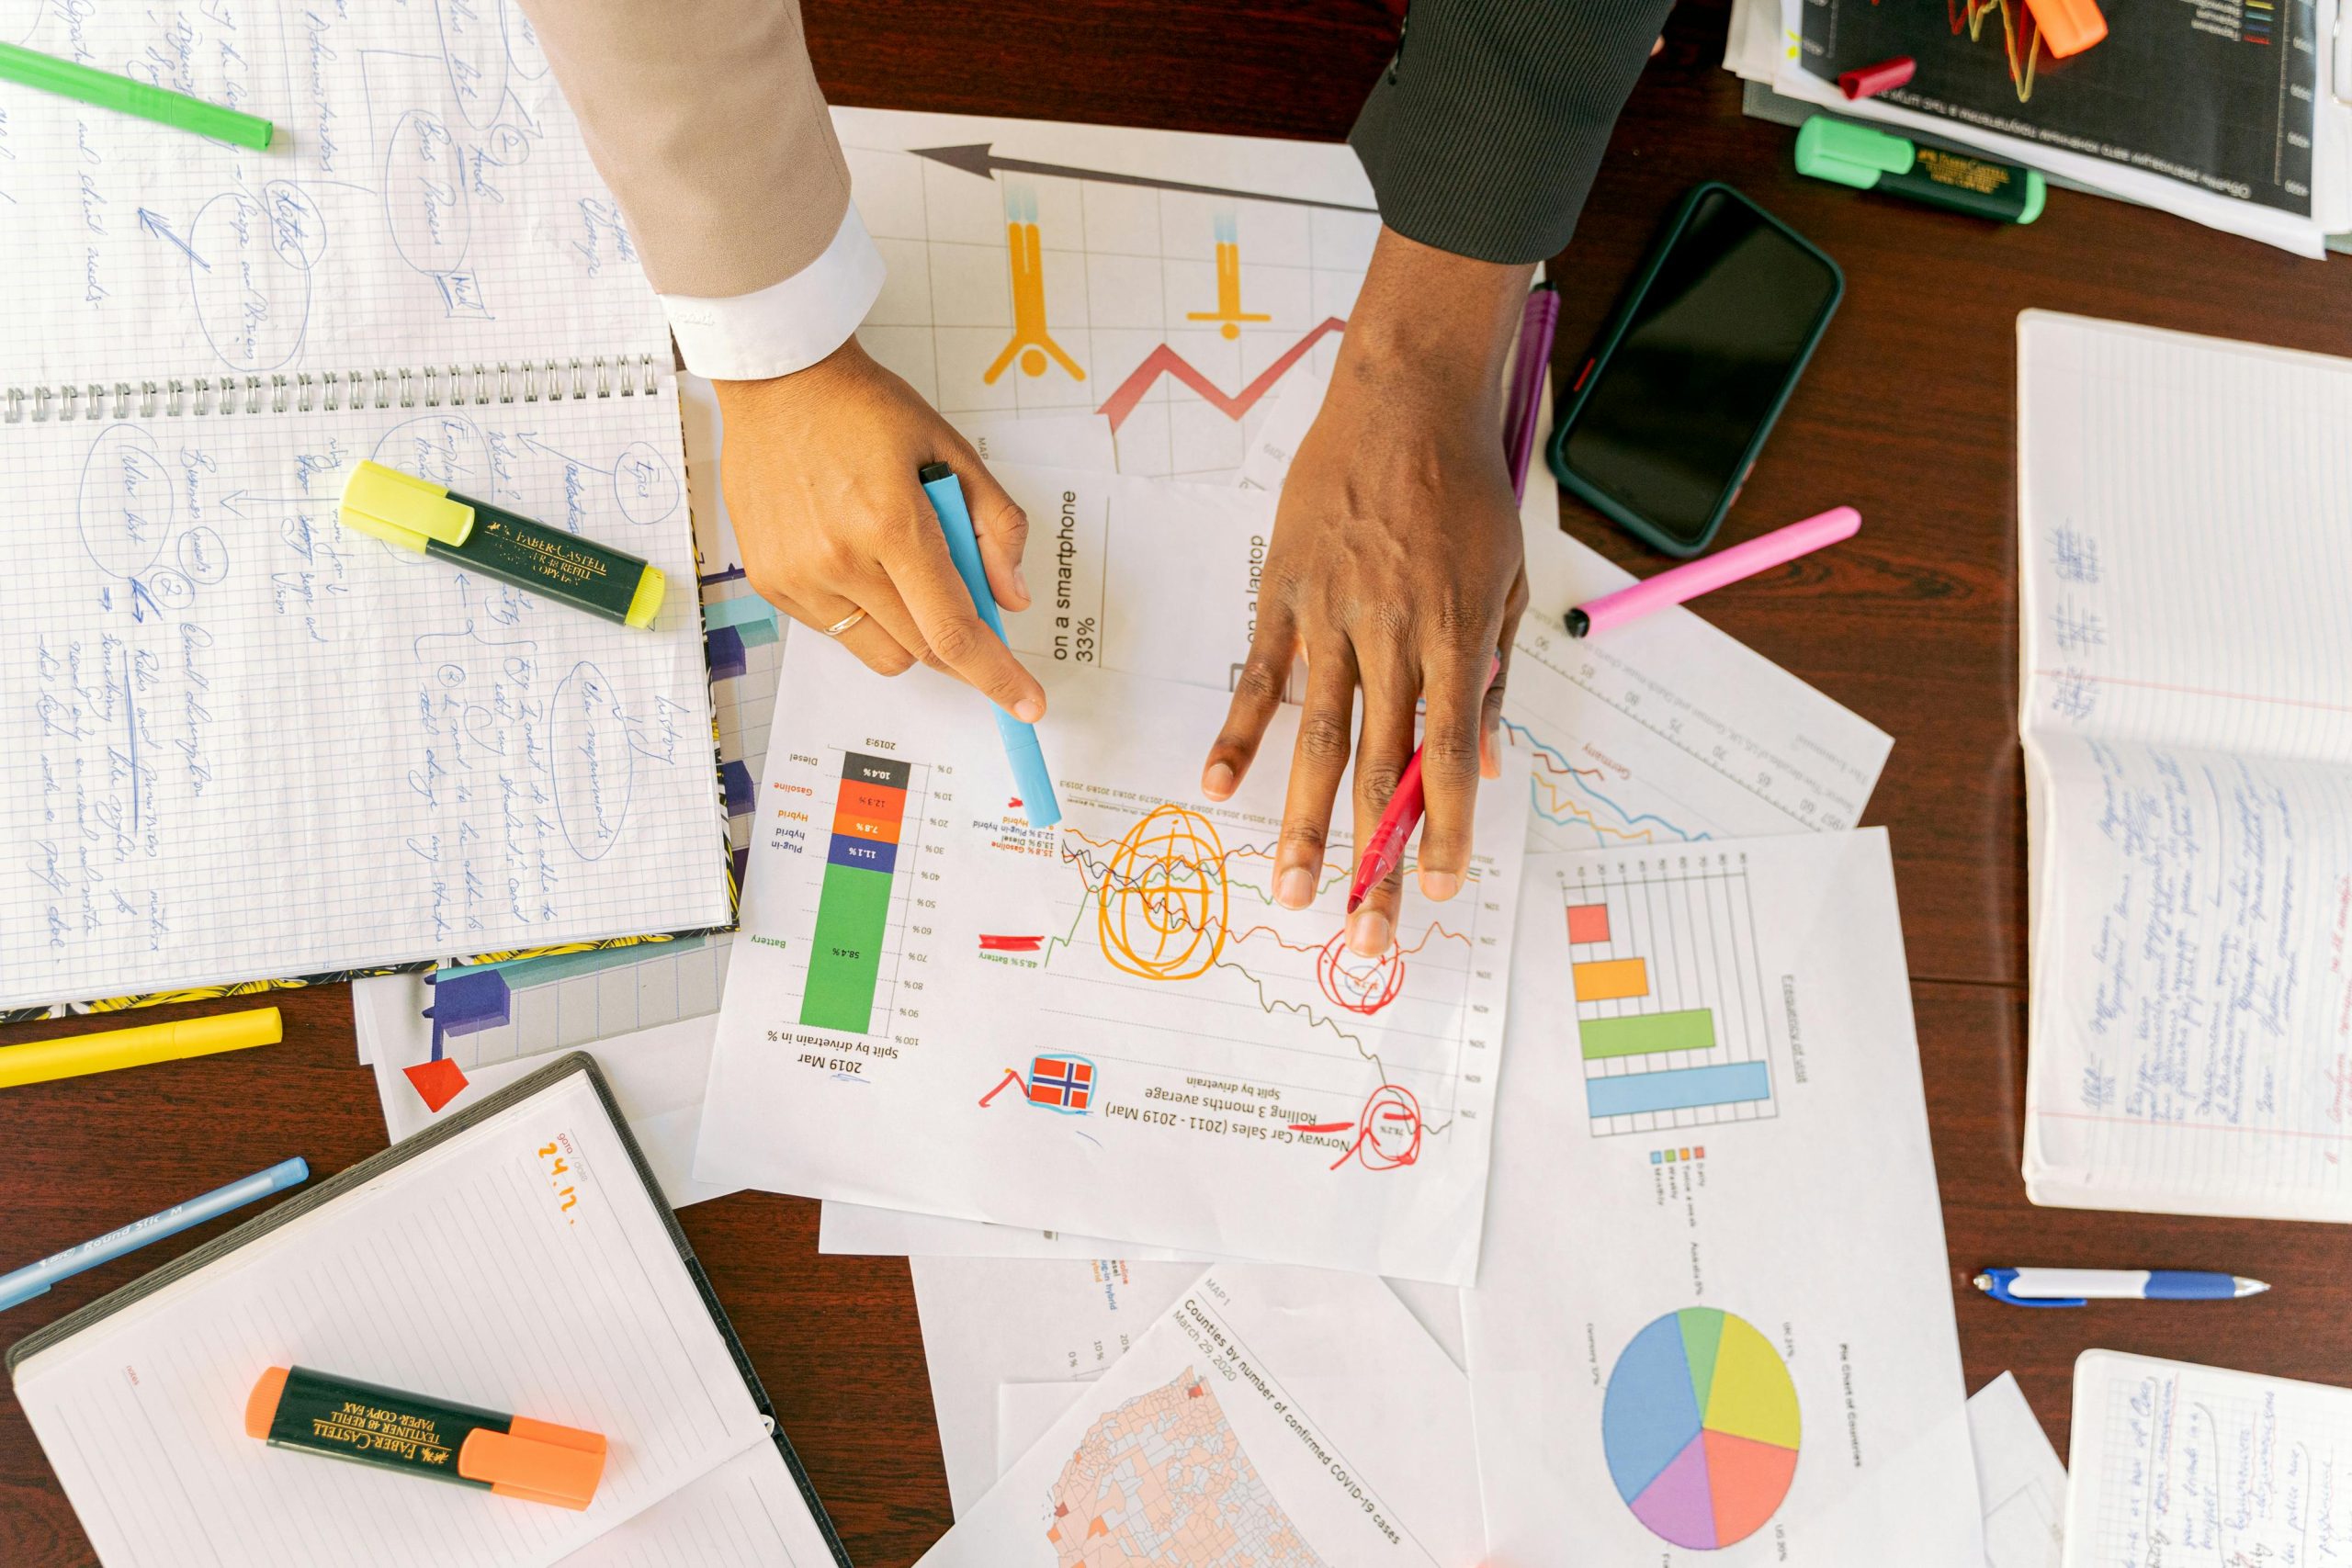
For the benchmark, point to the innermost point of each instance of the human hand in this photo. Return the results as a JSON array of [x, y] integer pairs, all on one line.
[[1397, 567], [819, 475]]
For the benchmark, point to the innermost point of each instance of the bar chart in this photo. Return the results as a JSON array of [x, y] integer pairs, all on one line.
[[1672, 1019], [846, 946]]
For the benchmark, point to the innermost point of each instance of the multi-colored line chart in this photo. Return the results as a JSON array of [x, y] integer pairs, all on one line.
[[1700, 1426], [1165, 929], [1672, 1020]]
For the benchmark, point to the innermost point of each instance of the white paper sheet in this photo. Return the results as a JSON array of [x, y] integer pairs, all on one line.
[[426, 200], [1026, 1412], [2019, 1478], [991, 1320], [1755, 994], [2173, 1462], [518, 1267], [1235, 1081], [747, 1513], [1301, 1415], [255, 743], [1051, 268], [858, 1230]]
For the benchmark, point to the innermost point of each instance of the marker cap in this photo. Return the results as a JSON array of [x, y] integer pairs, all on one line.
[[1849, 154], [1869, 81], [404, 510], [537, 1462]]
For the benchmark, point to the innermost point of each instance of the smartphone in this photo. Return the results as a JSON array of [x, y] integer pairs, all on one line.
[[1669, 412]]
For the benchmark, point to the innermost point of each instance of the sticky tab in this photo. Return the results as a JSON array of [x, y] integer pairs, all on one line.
[[2068, 27], [404, 510], [1869, 81]]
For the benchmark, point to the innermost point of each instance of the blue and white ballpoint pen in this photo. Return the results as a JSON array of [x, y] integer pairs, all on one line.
[[35, 1279], [2075, 1287]]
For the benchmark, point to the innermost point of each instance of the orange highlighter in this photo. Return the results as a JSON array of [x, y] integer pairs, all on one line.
[[2067, 27], [510, 1456]]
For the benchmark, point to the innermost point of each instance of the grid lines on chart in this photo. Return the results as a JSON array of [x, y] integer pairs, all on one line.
[[1671, 1015]]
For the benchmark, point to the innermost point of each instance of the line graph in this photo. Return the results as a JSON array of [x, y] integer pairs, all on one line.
[[2021, 36], [1166, 361]]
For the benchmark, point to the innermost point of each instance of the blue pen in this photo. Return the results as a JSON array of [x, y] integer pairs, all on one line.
[[1029, 776], [35, 1279], [2075, 1287]]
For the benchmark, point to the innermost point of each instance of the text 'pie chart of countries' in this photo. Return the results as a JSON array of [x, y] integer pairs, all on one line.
[[1699, 1428]]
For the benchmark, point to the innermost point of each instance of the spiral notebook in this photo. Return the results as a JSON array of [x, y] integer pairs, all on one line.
[[251, 744], [518, 1258]]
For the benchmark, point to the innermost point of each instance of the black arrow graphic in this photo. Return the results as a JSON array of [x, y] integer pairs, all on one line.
[[976, 158]]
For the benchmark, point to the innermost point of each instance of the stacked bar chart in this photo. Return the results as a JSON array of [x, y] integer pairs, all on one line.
[[1672, 1021], [861, 863]]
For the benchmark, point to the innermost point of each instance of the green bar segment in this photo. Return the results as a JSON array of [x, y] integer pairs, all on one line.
[[1605, 1037], [845, 954]]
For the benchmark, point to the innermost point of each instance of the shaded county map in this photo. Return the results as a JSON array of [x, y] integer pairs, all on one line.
[[1162, 1482]]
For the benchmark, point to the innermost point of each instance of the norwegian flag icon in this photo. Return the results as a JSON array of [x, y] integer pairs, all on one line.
[[1061, 1083]]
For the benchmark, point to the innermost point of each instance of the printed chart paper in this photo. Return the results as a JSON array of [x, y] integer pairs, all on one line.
[[2019, 1478], [1711, 1049], [1109, 1027], [1270, 1418]]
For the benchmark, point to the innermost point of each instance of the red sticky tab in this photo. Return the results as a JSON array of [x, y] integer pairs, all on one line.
[[1871, 80], [437, 1083]]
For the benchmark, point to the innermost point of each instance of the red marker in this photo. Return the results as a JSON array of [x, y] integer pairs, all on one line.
[[1871, 80], [1386, 851]]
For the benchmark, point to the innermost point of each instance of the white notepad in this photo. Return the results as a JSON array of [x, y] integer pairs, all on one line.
[[2185, 514], [464, 1264], [248, 745], [2173, 1462]]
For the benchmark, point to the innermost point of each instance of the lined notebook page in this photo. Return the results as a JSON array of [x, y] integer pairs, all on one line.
[[2185, 541], [427, 199], [2175, 1464], [746, 1514], [2185, 511], [249, 742], [476, 1272]]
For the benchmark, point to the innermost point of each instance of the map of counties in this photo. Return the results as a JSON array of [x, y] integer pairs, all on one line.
[[1162, 1482]]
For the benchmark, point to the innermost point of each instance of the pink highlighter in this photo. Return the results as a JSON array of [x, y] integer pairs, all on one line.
[[1711, 572]]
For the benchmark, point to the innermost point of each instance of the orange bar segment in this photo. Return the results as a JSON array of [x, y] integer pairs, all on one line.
[[1613, 980]]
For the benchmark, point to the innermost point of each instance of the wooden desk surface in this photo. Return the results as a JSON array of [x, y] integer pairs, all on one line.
[[1907, 412]]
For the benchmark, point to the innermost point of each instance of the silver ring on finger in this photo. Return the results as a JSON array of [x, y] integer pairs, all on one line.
[[844, 623]]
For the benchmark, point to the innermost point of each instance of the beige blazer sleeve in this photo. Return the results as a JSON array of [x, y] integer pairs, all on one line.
[[705, 119]]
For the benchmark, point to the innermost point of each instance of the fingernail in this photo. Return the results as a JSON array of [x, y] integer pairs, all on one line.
[[1029, 710], [1440, 885], [1020, 583], [1217, 782], [1296, 889], [1368, 933]]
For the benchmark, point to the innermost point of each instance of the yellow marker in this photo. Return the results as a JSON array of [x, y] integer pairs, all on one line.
[[116, 1048], [416, 514]]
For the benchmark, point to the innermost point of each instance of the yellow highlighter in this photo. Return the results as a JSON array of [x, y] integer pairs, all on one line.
[[112, 1049]]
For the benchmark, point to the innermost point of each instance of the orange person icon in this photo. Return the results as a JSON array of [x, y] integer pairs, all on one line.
[[1228, 282], [1030, 339]]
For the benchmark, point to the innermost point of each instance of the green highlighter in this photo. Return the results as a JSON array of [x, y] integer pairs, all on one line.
[[1857, 155], [32, 68]]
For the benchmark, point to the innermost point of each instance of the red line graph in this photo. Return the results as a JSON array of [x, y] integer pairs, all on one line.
[[1165, 360]]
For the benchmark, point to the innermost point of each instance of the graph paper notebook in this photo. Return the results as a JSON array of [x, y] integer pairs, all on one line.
[[520, 1257], [2185, 508], [246, 742]]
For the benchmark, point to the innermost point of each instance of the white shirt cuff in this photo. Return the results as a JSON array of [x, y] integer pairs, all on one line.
[[788, 326]]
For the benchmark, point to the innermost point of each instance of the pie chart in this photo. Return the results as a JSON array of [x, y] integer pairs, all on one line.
[[1699, 1428]]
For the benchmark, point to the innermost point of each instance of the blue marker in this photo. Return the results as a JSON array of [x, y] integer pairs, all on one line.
[[2073, 1287], [1029, 776], [35, 1279]]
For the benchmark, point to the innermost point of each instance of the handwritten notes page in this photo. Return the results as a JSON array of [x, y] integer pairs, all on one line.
[[2173, 1462], [522, 1266], [248, 742], [2186, 522], [427, 199]]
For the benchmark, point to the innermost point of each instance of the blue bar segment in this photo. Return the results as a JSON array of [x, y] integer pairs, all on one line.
[[863, 854], [1680, 1089]]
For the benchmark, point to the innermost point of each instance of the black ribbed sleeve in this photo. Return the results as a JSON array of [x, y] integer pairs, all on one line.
[[1483, 136]]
